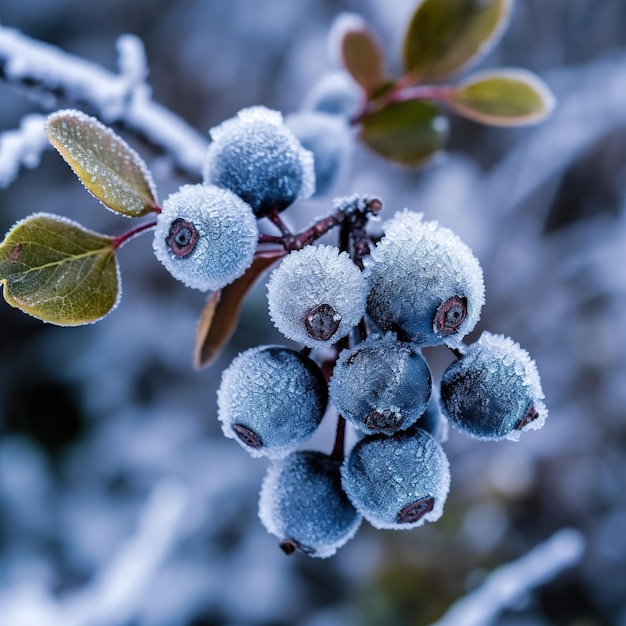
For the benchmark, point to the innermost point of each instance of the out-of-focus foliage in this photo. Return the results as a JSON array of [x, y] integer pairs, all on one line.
[[91, 419]]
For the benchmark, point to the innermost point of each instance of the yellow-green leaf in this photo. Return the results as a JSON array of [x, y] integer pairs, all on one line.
[[108, 167], [406, 132], [59, 272], [503, 98], [445, 35], [360, 52]]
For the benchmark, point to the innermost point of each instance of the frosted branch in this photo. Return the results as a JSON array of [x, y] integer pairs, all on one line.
[[22, 147], [591, 105], [57, 79], [113, 598], [510, 583]]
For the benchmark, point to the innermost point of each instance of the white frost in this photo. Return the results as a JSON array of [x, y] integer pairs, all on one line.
[[22, 147]]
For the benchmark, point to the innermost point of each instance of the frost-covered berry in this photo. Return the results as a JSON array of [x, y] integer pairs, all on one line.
[[335, 93], [271, 399], [257, 157], [381, 385], [493, 391], [425, 283], [205, 236], [330, 140], [316, 296], [397, 482], [303, 504]]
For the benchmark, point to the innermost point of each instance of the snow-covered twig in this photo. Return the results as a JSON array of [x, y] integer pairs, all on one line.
[[511, 582], [21, 147], [58, 79], [114, 595]]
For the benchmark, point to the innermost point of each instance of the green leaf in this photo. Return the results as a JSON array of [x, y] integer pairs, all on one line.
[[108, 167], [503, 98], [59, 272], [445, 35], [406, 132], [360, 52]]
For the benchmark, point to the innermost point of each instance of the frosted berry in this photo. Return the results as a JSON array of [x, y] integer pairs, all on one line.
[[271, 399], [316, 296], [330, 140], [493, 391], [397, 482], [258, 158], [303, 504], [335, 93], [205, 236], [381, 385], [425, 283]]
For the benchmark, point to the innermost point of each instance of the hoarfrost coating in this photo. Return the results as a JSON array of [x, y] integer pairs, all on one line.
[[257, 157], [222, 235], [416, 269], [381, 385], [493, 390], [397, 482], [303, 504], [271, 399], [316, 295]]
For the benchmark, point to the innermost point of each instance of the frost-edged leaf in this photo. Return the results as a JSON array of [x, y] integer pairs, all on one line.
[[445, 35], [220, 315], [59, 272], [359, 51], [503, 98], [406, 132], [108, 167]]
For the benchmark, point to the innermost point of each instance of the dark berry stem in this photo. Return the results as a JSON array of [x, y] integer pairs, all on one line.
[[457, 353], [274, 217], [120, 240], [340, 437], [298, 241]]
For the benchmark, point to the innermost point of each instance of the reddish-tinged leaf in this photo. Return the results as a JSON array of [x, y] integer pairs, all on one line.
[[221, 313]]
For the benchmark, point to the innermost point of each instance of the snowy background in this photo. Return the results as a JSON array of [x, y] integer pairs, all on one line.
[[121, 504]]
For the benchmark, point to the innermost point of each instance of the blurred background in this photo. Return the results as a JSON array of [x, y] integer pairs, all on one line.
[[119, 497]]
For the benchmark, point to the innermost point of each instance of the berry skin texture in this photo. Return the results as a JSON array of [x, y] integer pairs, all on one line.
[[271, 399], [425, 283], [303, 504], [493, 391], [259, 159], [330, 140], [316, 296], [381, 385], [397, 482], [205, 236]]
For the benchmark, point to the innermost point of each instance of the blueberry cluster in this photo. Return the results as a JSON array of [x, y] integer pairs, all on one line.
[[361, 313]]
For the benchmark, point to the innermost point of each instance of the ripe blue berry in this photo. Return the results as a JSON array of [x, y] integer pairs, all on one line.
[[316, 296], [271, 399], [329, 139], [258, 158], [397, 482], [303, 504], [493, 391], [205, 236], [381, 385], [335, 93], [425, 283]]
